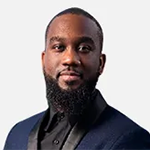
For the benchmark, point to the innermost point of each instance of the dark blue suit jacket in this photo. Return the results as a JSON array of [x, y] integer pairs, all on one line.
[[111, 130]]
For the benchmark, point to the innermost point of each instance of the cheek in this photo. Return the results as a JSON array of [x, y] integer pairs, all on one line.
[[51, 66], [92, 62], [91, 66]]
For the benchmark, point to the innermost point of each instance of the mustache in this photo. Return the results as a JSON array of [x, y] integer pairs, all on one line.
[[69, 70]]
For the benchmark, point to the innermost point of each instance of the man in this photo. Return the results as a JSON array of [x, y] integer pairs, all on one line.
[[78, 116]]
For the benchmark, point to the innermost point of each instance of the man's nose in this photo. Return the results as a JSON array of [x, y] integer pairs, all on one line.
[[71, 57]]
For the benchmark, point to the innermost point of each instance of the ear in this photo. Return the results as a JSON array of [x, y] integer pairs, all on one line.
[[102, 63], [43, 59]]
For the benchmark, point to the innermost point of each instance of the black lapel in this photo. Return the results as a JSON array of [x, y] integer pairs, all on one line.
[[81, 128], [33, 136]]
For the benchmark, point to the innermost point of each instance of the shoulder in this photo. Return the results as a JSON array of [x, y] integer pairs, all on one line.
[[20, 131], [29, 122], [115, 130], [127, 133], [130, 134], [117, 123], [137, 138]]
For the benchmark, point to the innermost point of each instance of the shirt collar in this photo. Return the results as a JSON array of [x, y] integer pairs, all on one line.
[[58, 115], [49, 117]]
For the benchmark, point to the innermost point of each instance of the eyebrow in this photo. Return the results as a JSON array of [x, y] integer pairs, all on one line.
[[85, 39], [56, 38], [81, 39]]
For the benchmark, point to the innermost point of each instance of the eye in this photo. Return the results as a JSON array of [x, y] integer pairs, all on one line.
[[84, 48], [58, 47]]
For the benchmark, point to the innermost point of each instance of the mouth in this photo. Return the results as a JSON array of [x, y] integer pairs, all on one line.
[[70, 76]]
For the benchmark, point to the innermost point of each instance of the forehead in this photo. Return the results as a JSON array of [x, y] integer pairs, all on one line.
[[72, 26]]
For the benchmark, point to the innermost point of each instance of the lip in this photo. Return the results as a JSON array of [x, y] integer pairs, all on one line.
[[70, 75]]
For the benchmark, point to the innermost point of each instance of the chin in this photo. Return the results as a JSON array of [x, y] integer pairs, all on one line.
[[71, 96], [69, 86]]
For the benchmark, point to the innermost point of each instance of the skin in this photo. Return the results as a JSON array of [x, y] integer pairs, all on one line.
[[73, 55]]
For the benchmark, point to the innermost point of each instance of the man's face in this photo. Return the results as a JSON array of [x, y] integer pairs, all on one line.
[[72, 56]]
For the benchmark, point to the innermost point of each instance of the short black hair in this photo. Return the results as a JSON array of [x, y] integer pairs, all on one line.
[[77, 11]]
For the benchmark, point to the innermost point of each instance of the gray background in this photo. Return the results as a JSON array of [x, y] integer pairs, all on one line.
[[125, 82]]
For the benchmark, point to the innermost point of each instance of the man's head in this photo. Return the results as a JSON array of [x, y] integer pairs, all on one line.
[[73, 59]]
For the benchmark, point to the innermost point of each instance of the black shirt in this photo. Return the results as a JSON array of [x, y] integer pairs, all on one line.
[[55, 135], [56, 130], [56, 127]]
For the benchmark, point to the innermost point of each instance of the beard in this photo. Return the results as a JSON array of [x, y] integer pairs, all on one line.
[[72, 101]]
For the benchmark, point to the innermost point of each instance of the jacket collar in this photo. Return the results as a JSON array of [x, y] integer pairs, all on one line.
[[83, 126], [33, 136]]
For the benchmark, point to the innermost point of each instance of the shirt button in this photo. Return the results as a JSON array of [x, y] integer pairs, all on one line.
[[56, 142], [62, 116]]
